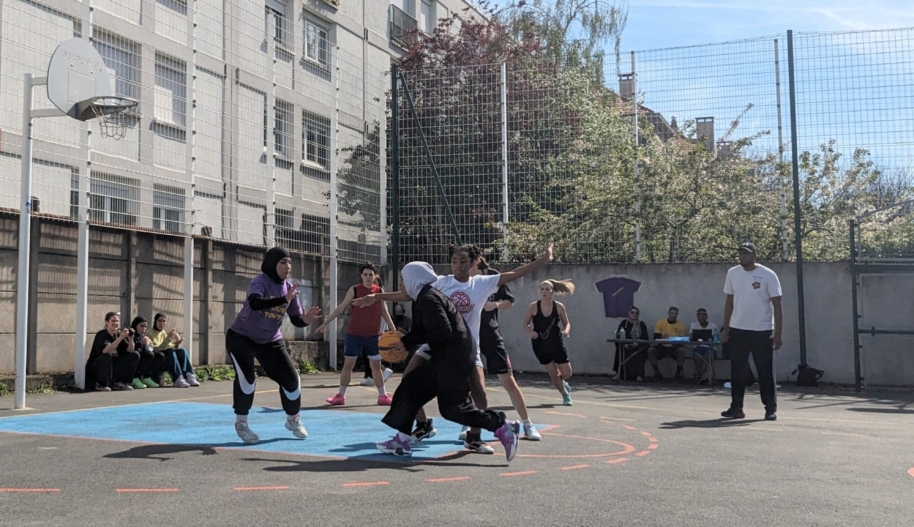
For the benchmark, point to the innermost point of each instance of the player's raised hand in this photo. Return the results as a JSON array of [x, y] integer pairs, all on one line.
[[549, 251], [312, 315], [292, 292], [364, 301]]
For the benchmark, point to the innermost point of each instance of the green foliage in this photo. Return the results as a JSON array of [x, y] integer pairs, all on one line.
[[306, 365], [214, 373]]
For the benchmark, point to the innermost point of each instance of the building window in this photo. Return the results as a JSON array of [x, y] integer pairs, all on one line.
[[317, 43], [426, 21], [178, 6], [170, 91], [316, 141], [122, 58], [113, 199], [278, 25], [168, 209], [282, 129]]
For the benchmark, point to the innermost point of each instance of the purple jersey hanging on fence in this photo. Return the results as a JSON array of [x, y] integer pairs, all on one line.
[[618, 295]]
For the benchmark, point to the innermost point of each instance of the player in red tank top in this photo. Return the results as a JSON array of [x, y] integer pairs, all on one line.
[[361, 334]]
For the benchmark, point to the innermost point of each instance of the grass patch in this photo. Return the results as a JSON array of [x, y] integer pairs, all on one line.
[[306, 365]]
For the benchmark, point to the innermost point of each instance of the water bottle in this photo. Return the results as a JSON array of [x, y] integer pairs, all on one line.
[[622, 333], [716, 335]]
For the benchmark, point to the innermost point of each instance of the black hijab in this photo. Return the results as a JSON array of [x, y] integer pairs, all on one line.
[[136, 322], [155, 321], [271, 260]]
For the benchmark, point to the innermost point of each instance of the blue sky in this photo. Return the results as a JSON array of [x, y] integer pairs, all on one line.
[[668, 23]]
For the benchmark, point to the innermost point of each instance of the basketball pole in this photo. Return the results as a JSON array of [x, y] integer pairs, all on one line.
[[25, 226]]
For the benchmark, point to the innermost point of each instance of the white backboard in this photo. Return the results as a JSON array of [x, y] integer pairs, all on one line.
[[76, 77]]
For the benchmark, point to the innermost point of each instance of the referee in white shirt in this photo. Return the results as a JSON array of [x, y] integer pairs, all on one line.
[[752, 324]]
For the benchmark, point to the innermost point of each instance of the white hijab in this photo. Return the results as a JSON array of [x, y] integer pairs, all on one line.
[[417, 275]]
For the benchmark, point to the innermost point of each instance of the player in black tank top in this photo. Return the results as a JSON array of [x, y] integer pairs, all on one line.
[[548, 333]]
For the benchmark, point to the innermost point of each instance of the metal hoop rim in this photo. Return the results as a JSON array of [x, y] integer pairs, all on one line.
[[109, 104]]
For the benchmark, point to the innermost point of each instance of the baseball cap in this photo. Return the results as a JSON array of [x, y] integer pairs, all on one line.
[[747, 246]]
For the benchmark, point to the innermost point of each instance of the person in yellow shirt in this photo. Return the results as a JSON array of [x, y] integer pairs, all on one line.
[[177, 362], [664, 329]]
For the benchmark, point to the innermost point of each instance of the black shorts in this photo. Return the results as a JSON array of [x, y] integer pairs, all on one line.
[[664, 352], [492, 347], [549, 351]]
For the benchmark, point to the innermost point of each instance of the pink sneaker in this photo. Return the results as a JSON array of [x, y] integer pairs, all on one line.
[[337, 400], [384, 400]]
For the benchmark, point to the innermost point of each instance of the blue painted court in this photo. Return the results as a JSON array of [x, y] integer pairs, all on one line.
[[339, 434]]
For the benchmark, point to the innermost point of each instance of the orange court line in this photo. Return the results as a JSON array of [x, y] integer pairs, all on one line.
[[574, 467], [652, 439], [911, 472], [146, 490], [565, 413], [618, 460], [442, 480], [645, 434], [512, 474], [652, 446], [28, 490], [280, 487], [629, 427], [643, 453], [366, 484]]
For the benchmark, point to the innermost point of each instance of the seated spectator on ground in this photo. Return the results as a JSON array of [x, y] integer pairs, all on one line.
[[702, 355], [177, 363], [630, 356], [664, 329], [112, 359], [152, 361]]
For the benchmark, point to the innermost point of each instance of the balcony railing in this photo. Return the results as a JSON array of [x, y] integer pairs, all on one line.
[[401, 26]]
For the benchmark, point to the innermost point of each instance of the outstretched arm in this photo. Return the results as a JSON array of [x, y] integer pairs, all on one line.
[[385, 314], [350, 294], [563, 316], [395, 296], [510, 276], [528, 316]]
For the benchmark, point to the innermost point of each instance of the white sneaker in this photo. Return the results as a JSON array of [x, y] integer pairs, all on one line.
[[180, 383], [246, 434], [191, 379], [295, 426], [367, 381], [530, 432], [387, 373], [463, 433]]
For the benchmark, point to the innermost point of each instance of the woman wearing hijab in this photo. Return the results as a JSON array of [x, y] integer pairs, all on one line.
[[176, 361], [255, 333], [152, 362], [445, 375]]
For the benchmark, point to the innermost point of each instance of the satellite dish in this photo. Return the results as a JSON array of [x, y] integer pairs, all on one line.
[[77, 76]]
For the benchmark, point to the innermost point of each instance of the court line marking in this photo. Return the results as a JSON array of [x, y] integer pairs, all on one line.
[[568, 414], [911, 472], [366, 484], [145, 490], [276, 487], [617, 460], [513, 474], [574, 467], [643, 453]]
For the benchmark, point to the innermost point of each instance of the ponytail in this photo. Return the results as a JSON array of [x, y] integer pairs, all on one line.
[[561, 287]]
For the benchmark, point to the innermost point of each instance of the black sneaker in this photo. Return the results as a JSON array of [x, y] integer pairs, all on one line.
[[771, 415], [704, 382], [423, 431], [474, 443], [658, 377], [678, 377], [732, 413]]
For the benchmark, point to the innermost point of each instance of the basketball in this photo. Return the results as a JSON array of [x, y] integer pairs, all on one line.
[[391, 348]]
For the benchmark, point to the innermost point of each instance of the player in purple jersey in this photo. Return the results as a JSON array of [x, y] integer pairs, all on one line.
[[255, 333]]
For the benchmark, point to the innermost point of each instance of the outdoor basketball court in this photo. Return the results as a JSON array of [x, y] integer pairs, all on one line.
[[622, 455]]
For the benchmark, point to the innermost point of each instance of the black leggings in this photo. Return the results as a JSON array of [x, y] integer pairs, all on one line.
[[276, 363], [451, 385], [106, 369], [151, 364]]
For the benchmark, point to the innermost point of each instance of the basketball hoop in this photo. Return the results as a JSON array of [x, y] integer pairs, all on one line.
[[112, 114]]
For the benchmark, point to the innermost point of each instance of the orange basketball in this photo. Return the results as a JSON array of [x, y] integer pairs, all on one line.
[[391, 347]]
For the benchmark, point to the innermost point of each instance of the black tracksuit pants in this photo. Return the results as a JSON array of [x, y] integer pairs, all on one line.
[[450, 383], [276, 363], [742, 343]]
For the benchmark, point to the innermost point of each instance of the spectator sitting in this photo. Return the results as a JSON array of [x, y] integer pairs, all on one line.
[[630, 356], [664, 329], [403, 322], [702, 354], [176, 359], [112, 360], [152, 362]]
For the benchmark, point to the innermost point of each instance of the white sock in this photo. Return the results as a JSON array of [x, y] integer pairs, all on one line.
[[343, 390], [241, 418], [527, 422], [382, 391]]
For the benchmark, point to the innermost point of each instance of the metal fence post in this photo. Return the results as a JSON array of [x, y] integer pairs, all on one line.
[[797, 225], [395, 173]]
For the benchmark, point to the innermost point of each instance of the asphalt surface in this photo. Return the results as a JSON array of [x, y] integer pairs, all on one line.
[[633, 454]]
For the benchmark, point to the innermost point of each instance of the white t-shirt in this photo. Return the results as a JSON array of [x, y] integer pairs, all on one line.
[[470, 297], [752, 293], [695, 325]]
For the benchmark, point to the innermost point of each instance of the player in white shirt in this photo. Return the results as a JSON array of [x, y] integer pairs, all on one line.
[[702, 354], [752, 325], [469, 294]]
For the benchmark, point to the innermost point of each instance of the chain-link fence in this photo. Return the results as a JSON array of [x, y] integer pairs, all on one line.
[[528, 151], [253, 119]]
